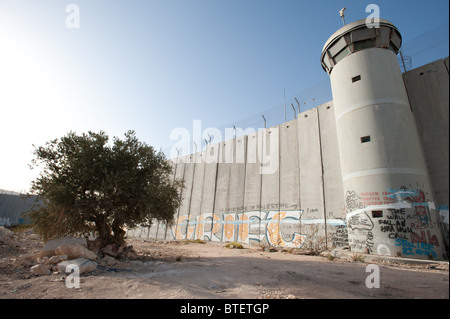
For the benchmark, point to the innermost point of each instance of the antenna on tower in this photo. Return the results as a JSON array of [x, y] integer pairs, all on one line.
[[341, 13]]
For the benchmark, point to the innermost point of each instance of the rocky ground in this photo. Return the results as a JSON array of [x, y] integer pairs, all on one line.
[[190, 270]]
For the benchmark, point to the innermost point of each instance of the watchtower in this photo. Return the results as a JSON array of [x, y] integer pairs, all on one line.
[[387, 190]]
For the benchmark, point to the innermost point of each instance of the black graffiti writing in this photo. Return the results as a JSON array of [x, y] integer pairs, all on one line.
[[353, 201], [395, 224]]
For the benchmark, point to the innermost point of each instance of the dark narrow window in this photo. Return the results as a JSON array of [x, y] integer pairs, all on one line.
[[365, 139], [377, 213], [364, 44], [356, 78]]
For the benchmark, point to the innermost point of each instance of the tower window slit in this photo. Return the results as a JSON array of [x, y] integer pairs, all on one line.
[[356, 78]]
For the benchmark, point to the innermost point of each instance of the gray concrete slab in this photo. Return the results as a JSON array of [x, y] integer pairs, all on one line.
[[312, 223], [335, 213], [427, 88], [188, 184], [223, 179], [252, 199], [270, 191], [209, 183], [197, 190], [289, 166], [311, 188], [237, 175], [179, 175]]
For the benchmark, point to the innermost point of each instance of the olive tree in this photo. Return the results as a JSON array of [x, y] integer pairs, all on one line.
[[88, 184]]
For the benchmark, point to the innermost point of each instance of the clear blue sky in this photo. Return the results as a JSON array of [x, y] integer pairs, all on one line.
[[154, 66]]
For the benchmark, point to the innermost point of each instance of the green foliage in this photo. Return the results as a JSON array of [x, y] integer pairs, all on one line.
[[358, 258], [234, 245], [330, 257], [89, 185]]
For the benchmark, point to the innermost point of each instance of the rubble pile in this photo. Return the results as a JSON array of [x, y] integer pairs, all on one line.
[[8, 240], [59, 255]]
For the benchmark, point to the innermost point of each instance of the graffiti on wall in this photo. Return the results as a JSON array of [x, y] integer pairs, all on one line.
[[400, 219], [443, 214], [361, 227], [279, 228], [4, 221]]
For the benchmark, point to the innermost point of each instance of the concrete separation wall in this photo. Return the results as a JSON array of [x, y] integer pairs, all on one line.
[[12, 208], [267, 188], [283, 185], [427, 88]]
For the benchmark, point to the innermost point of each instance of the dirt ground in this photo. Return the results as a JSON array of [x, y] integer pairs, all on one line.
[[188, 270]]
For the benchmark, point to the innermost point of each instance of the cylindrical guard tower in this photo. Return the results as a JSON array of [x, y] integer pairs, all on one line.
[[387, 191]]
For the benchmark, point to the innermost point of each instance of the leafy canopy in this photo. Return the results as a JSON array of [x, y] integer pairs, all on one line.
[[89, 185]]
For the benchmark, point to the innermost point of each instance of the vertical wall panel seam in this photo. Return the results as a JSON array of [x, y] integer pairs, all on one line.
[[215, 188], [203, 192], [179, 207], [245, 172], [190, 197], [323, 180], [279, 182], [174, 178], [261, 161]]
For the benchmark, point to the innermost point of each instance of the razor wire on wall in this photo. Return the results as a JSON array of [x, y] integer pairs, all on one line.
[[426, 48]]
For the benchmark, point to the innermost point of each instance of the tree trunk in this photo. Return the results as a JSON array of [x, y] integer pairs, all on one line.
[[109, 235], [119, 233], [104, 231]]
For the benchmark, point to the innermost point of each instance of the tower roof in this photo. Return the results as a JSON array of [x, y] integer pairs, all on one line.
[[357, 36]]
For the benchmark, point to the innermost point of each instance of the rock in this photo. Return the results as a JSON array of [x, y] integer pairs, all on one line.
[[60, 279], [75, 251], [24, 261], [8, 238], [127, 252], [40, 270], [84, 265], [56, 259], [130, 254], [51, 245], [21, 287], [110, 250], [108, 261], [94, 244]]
